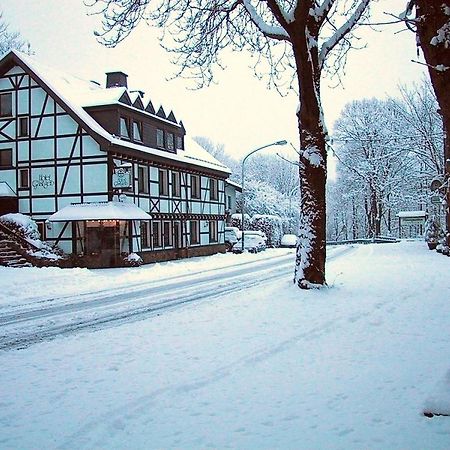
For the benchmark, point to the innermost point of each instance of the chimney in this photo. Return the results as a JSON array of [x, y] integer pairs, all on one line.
[[116, 79]]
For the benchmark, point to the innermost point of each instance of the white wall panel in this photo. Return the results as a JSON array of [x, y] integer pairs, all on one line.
[[37, 100], [10, 177], [22, 107], [90, 147], [24, 206], [95, 178], [42, 149], [64, 146], [43, 205], [5, 83], [66, 125], [72, 182]]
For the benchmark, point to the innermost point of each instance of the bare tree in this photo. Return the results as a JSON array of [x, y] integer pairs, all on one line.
[[11, 39], [432, 27], [301, 38]]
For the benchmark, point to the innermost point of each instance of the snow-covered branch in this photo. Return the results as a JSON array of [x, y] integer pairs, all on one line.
[[341, 32], [270, 31]]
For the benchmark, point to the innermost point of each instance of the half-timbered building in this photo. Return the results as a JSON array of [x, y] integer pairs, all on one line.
[[102, 171]]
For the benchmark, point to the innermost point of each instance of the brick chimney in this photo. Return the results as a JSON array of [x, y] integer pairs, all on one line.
[[116, 79]]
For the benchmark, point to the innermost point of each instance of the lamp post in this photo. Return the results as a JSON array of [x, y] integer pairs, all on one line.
[[283, 142]]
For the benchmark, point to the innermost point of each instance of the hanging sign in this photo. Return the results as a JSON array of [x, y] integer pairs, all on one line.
[[121, 178]]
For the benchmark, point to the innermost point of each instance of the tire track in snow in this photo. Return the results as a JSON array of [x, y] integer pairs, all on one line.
[[112, 309]]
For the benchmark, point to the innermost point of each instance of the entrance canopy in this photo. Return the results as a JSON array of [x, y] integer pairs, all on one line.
[[99, 211]]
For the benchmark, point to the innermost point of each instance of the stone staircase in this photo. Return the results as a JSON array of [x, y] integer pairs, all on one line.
[[9, 255]]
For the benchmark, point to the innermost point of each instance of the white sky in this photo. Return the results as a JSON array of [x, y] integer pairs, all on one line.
[[238, 111]]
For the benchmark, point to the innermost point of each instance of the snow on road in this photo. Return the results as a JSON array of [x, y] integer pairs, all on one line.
[[348, 367]]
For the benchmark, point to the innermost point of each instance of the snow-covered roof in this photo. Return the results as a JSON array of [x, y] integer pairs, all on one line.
[[99, 211], [77, 94], [412, 214], [5, 190], [237, 186]]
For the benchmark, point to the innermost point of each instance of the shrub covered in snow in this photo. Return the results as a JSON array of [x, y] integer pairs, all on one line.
[[432, 230], [27, 229], [236, 220], [133, 260], [271, 225]]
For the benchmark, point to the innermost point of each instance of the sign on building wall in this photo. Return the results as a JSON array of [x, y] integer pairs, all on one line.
[[121, 177]]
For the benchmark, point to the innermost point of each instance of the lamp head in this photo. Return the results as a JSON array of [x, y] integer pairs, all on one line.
[[283, 142]]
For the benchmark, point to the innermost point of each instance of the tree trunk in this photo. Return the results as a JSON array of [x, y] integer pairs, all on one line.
[[437, 56], [311, 252]]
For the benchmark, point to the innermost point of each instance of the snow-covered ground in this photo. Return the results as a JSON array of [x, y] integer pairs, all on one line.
[[352, 367]]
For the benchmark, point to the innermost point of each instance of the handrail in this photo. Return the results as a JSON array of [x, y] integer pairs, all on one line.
[[23, 240]]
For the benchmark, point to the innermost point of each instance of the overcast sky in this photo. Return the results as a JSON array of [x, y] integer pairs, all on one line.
[[238, 111]]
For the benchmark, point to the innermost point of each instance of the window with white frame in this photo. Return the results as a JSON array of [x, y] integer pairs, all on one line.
[[179, 143], [156, 234], [124, 128], [160, 138], [145, 234], [195, 186], [163, 182], [213, 189], [24, 178], [6, 157], [176, 184], [6, 104], [194, 232], [167, 232], [137, 131], [213, 234], [23, 127], [143, 179], [170, 142]]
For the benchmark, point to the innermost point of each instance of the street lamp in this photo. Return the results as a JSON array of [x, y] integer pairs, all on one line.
[[283, 142]]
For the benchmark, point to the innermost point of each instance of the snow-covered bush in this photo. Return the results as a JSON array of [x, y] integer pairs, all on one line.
[[432, 229], [271, 225], [133, 260], [27, 228], [236, 220]]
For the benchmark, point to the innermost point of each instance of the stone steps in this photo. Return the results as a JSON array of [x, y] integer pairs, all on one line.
[[9, 256]]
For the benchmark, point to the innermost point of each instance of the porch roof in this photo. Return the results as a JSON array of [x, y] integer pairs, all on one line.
[[99, 211]]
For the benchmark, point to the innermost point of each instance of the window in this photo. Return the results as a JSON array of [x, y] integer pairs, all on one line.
[[194, 232], [195, 186], [145, 235], [163, 182], [137, 131], [167, 234], [41, 229], [213, 189], [228, 201], [5, 157], [170, 143], [6, 105], [143, 179], [24, 178], [179, 142], [157, 234], [23, 127], [176, 184], [124, 128], [160, 138], [213, 231]]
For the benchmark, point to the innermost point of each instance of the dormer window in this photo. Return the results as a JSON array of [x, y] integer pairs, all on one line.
[[160, 138], [137, 131], [6, 105], [124, 128], [179, 142], [170, 142]]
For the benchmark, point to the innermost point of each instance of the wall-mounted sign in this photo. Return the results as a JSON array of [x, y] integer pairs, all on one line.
[[43, 181], [121, 178]]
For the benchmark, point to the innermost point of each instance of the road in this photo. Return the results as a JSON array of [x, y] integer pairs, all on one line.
[[56, 316]]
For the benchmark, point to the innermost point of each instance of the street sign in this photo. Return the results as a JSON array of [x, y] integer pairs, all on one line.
[[436, 200]]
